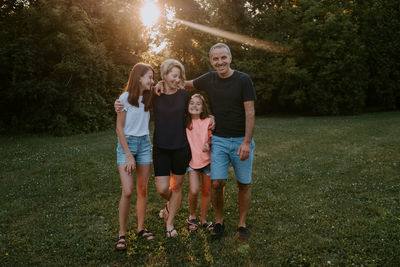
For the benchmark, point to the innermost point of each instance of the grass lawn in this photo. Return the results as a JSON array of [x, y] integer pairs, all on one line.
[[325, 191]]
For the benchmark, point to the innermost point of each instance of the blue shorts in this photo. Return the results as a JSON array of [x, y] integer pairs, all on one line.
[[206, 169], [140, 148], [223, 152]]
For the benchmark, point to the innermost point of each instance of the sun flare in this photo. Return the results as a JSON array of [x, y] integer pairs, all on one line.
[[150, 14]]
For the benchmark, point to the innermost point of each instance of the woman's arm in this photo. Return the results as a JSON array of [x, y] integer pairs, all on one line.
[[130, 160]]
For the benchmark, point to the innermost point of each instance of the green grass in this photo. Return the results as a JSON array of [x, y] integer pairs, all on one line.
[[326, 191]]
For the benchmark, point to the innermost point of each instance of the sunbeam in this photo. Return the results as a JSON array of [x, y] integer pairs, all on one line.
[[240, 38]]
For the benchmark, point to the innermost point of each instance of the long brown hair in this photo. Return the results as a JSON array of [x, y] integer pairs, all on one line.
[[133, 86], [204, 114]]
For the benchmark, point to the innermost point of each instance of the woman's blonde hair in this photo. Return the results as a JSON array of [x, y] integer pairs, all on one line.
[[168, 65]]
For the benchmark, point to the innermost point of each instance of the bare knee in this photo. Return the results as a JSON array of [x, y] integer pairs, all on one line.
[[163, 192], [205, 191], [194, 191], [244, 188], [127, 193], [142, 190], [218, 185], [177, 188]]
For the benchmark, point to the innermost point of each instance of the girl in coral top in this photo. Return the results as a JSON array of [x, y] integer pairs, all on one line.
[[199, 137]]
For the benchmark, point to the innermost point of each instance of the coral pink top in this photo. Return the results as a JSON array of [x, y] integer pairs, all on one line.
[[197, 137]]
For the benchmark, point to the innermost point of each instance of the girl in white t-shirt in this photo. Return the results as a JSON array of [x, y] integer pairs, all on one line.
[[199, 137], [134, 148]]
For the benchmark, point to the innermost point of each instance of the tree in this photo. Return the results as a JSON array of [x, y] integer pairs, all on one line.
[[63, 63]]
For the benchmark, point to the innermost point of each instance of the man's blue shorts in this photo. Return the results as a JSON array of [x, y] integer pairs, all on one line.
[[140, 147], [223, 152]]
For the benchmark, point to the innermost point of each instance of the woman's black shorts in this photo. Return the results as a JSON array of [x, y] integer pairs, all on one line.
[[167, 161]]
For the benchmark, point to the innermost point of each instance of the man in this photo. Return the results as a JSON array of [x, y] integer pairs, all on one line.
[[232, 95]]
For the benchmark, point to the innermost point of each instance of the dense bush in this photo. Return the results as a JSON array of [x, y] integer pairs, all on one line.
[[59, 73]]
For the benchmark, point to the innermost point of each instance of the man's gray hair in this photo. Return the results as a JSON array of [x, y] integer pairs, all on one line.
[[219, 45]]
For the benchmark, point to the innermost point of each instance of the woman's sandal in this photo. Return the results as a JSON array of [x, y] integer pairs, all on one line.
[[170, 233], [164, 213], [121, 241], [193, 224], [145, 234], [208, 226]]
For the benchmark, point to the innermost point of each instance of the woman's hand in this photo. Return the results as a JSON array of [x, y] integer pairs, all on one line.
[[159, 88], [118, 106], [211, 126], [130, 165]]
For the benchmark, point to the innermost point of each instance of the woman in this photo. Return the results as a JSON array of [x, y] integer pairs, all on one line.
[[171, 151]]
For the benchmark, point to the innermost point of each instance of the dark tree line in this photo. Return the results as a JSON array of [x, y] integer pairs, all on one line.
[[64, 62]]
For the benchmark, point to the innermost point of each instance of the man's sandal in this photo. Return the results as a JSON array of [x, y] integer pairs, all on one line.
[[193, 224], [121, 243], [208, 226], [172, 232], [145, 234]]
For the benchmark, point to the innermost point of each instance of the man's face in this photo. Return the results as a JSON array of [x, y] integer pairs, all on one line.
[[221, 61]]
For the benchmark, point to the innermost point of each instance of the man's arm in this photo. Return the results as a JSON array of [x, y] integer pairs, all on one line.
[[245, 147], [189, 85]]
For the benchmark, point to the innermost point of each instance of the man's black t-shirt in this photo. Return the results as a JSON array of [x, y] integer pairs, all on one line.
[[226, 100], [169, 120]]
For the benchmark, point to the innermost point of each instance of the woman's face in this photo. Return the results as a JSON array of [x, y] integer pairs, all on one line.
[[195, 106], [146, 81], [173, 78]]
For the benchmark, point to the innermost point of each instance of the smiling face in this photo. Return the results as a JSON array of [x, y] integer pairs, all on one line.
[[173, 78], [195, 106], [146, 81], [221, 61]]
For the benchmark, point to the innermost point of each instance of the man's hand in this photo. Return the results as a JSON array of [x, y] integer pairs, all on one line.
[[244, 151], [118, 106], [206, 147]]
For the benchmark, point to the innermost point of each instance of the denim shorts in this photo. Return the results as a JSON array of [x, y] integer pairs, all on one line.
[[223, 152], [140, 148], [206, 169]]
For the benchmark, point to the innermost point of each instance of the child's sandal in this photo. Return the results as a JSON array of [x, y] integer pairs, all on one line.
[[193, 224]]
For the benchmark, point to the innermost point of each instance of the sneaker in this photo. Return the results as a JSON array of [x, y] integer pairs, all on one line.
[[242, 233], [218, 230]]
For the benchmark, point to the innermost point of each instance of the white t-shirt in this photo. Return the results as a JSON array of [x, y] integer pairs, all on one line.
[[136, 120]]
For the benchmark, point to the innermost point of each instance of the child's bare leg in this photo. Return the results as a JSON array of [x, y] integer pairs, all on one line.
[[205, 196], [194, 188]]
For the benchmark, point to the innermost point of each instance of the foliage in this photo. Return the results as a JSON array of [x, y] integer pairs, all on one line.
[[325, 191], [329, 69], [63, 62], [380, 32]]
